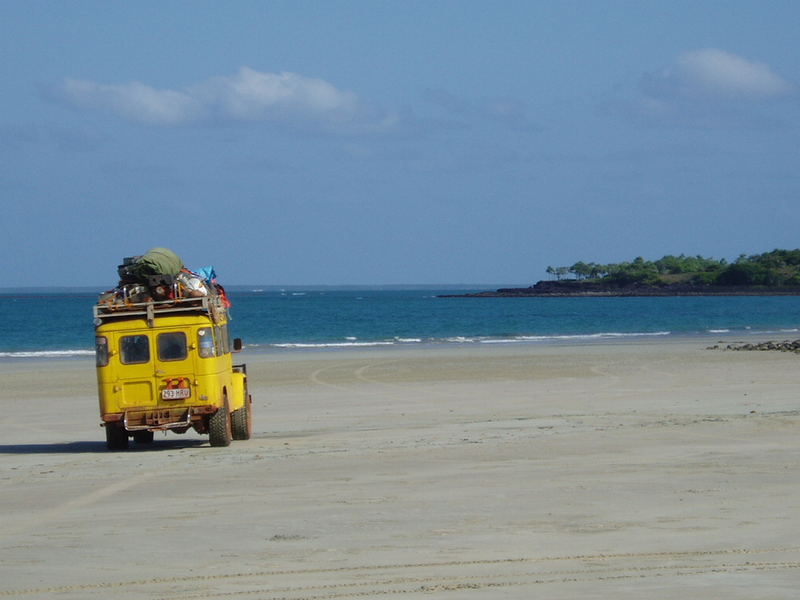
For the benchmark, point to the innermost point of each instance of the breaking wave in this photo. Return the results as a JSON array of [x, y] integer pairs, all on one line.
[[351, 342], [47, 354]]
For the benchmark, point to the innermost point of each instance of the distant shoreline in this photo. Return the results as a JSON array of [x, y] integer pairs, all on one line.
[[577, 289]]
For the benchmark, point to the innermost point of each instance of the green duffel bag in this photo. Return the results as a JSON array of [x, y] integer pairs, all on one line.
[[157, 261]]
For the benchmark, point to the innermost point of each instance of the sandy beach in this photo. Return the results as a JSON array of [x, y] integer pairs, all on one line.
[[616, 470]]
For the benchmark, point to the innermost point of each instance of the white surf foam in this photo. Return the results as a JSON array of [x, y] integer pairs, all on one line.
[[586, 336], [47, 354], [332, 345]]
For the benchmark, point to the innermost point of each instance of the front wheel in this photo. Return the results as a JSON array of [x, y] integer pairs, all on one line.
[[219, 426], [116, 437]]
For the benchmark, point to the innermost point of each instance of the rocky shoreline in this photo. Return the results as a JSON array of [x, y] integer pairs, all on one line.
[[572, 288], [783, 346]]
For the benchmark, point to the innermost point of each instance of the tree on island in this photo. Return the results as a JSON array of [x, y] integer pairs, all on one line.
[[558, 272], [778, 268]]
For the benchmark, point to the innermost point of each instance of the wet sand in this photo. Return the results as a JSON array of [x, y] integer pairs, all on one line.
[[631, 470]]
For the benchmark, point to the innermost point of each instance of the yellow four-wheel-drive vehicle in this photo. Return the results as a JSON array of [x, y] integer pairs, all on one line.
[[167, 365]]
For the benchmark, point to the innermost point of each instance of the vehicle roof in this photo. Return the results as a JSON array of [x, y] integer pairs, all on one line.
[[171, 322]]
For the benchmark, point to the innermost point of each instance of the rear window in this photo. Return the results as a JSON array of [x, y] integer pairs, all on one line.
[[134, 349], [172, 346]]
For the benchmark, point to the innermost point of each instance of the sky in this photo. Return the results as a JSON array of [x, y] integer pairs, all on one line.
[[393, 141]]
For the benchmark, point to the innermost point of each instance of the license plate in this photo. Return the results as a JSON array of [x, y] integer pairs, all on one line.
[[176, 393]]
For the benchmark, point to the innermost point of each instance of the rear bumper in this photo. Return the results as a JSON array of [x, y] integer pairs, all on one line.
[[156, 419]]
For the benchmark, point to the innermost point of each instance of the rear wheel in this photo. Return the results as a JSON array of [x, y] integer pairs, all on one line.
[[219, 426], [242, 420], [143, 437], [116, 437]]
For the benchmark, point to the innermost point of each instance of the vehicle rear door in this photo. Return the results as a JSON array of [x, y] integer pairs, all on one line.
[[135, 384], [174, 367]]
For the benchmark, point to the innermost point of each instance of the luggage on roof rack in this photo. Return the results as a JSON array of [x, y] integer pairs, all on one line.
[[157, 261], [156, 283], [109, 308]]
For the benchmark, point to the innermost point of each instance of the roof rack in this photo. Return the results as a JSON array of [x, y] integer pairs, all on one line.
[[109, 310]]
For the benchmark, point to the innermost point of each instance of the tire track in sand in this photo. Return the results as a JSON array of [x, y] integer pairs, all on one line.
[[358, 377], [92, 497], [412, 578]]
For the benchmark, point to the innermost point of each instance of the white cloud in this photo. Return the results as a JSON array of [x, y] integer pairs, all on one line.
[[248, 95], [132, 101], [712, 73], [725, 73], [253, 96]]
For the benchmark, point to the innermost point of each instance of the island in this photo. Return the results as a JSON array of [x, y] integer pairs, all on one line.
[[768, 274]]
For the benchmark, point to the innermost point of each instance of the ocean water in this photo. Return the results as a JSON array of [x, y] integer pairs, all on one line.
[[50, 325]]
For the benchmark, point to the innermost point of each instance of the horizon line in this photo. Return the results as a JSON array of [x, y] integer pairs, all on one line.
[[279, 287]]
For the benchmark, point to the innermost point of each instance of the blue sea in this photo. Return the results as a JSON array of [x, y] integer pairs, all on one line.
[[48, 324]]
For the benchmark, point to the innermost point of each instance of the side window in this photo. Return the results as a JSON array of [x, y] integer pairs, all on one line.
[[205, 342], [226, 340], [172, 346], [134, 349], [101, 351], [220, 345]]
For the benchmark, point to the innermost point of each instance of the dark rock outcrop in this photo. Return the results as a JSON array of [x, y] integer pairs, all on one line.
[[784, 346], [566, 288]]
